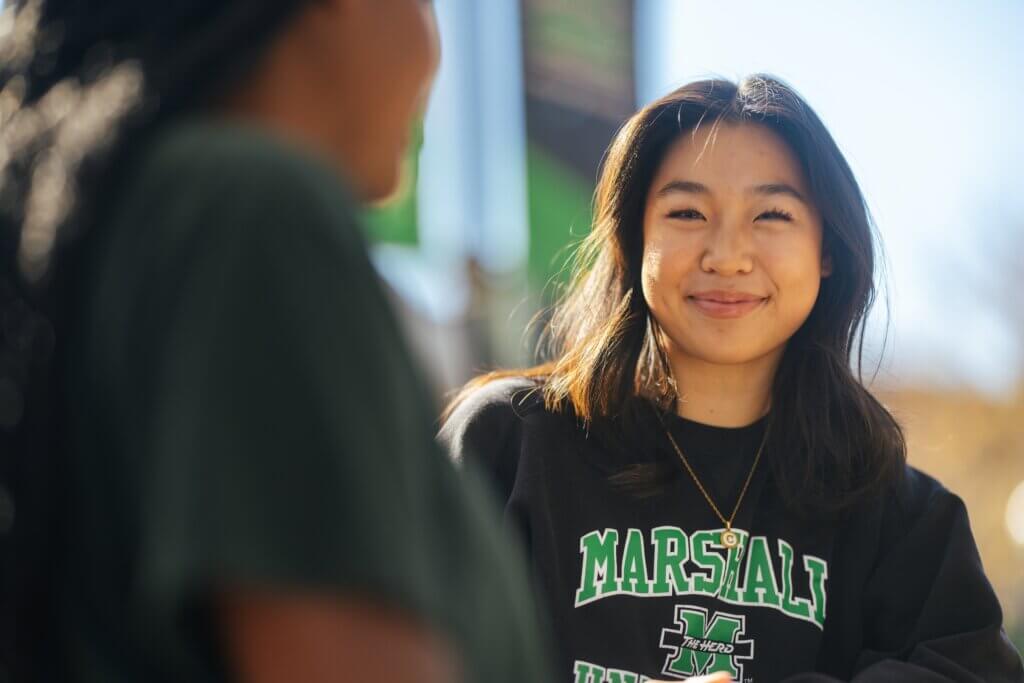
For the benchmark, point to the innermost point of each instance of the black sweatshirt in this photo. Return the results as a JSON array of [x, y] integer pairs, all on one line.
[[638, 586]]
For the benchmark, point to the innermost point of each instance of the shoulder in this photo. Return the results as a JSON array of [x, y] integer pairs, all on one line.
[[214, 219], [914, 503], [486, 430], [918, 492], [920, 506], [513, 397], [212, 202], [231, 154], [490, 412], [222, 177]]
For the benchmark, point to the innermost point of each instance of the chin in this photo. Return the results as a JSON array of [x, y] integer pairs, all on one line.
[[724, 353], [382, 187], [728, 357]]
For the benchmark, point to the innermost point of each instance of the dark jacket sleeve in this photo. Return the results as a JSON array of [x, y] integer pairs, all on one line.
[[930, 612], [483, 432]]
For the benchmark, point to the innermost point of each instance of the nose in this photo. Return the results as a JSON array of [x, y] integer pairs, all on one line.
[[729, 250]]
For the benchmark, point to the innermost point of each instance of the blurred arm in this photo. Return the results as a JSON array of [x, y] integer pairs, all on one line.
[[276, 637]]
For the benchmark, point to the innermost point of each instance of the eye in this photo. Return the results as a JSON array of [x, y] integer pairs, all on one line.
[[776, 215], [686, 215]]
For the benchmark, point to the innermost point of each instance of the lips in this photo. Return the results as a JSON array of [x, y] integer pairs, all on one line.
[[725, 304]]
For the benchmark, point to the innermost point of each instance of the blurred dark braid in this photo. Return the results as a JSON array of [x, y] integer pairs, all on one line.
[[82, 86]]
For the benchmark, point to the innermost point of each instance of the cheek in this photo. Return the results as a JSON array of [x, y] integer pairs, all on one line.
[[432, 48], [651, 265], [416, 32], [651, 275], [664, 269], [795, 268]]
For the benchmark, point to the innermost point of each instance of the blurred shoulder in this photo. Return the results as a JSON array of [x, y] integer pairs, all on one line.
[[206, 166], [514, 396], [490, 410], [230, 151], [202, 184]]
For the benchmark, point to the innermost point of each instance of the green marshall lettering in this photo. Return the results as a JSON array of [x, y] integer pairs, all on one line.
[[818, 570], [729, 590], [796, 607], [748, 574], [701, 543], [600, 559], [671, 550], [634, 565], [759, 587]]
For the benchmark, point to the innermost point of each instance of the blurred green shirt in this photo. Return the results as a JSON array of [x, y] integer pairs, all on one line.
[[243, 411]]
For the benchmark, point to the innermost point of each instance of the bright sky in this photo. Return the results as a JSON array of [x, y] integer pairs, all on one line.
[[924, 99]]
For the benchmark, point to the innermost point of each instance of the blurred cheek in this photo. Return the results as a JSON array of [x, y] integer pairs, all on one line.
[[382, 182], [389, 122], [415, 48], [433, 49]]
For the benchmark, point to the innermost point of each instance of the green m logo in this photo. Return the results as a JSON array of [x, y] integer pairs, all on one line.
[[705, 644]]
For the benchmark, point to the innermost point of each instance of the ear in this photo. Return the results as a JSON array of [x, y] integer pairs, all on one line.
[[826, 264]]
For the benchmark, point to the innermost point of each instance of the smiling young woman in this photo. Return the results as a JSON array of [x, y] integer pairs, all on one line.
[[700, 437]]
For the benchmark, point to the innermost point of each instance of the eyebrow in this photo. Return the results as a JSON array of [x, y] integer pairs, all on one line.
[[687, 186], [779, 188], [692, 187]]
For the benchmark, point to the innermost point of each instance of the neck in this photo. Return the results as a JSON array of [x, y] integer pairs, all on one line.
[[273, 98], [263, 104], [724, 395]]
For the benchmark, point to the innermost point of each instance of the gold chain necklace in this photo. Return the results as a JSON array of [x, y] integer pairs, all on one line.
[[729, 538]]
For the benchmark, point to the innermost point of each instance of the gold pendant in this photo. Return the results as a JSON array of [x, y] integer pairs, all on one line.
[[730, 539]]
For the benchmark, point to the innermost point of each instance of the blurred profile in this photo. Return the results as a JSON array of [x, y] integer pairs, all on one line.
[[217, 456]]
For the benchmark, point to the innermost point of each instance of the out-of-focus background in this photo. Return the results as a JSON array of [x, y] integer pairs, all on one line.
[[922, 97]]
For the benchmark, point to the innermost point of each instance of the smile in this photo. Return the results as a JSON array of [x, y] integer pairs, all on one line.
[[725, 304]]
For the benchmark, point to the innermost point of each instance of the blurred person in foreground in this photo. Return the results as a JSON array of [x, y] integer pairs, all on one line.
[[218, 455]]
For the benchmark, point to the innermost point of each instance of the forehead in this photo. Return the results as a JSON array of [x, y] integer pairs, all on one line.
[[730, 155]]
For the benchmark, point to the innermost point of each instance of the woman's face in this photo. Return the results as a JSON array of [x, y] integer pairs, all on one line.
[[732, 259]]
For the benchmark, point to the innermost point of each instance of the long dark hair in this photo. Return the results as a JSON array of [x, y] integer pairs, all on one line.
[[82, 87], [831, 442]]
